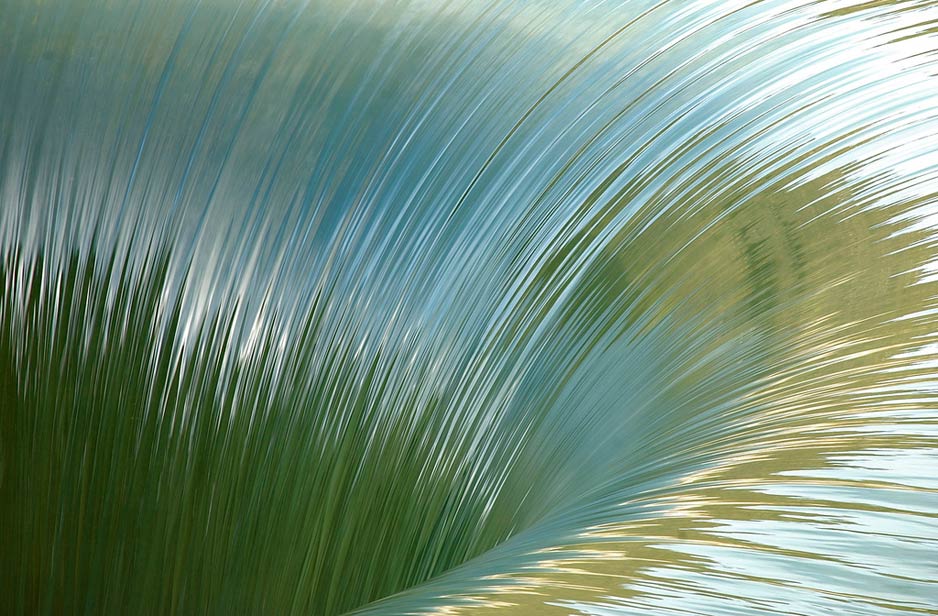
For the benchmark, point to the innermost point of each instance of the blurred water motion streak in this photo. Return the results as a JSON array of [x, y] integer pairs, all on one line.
[[407, 307]]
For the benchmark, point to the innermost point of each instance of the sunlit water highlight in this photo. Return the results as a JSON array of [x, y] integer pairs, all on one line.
[[416, 307]]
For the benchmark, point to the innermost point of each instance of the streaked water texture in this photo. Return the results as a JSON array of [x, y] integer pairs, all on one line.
[[470, 307]]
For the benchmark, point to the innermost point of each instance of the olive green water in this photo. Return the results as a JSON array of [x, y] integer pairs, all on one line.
[[473, 307]]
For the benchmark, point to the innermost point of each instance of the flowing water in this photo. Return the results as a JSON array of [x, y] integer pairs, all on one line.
[[470, 307]]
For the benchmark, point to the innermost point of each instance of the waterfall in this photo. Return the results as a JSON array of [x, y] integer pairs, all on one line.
[[485, 306]]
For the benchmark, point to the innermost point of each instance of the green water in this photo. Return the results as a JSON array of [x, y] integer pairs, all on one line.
[[410, 307]]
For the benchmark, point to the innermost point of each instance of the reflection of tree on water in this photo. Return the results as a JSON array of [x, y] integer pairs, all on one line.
[[824, 374]]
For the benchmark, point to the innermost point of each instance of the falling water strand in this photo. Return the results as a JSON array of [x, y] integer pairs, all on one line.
[[412, 307]]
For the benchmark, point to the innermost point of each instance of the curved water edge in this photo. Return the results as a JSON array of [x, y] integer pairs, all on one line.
[[409, 307]]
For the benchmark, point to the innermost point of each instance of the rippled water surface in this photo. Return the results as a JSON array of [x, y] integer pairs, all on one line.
[[470, 307]]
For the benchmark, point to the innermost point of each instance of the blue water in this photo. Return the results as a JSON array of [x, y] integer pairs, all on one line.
[[451, 308]]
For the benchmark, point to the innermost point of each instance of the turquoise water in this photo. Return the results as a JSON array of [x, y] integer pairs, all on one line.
[[411, 307]]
